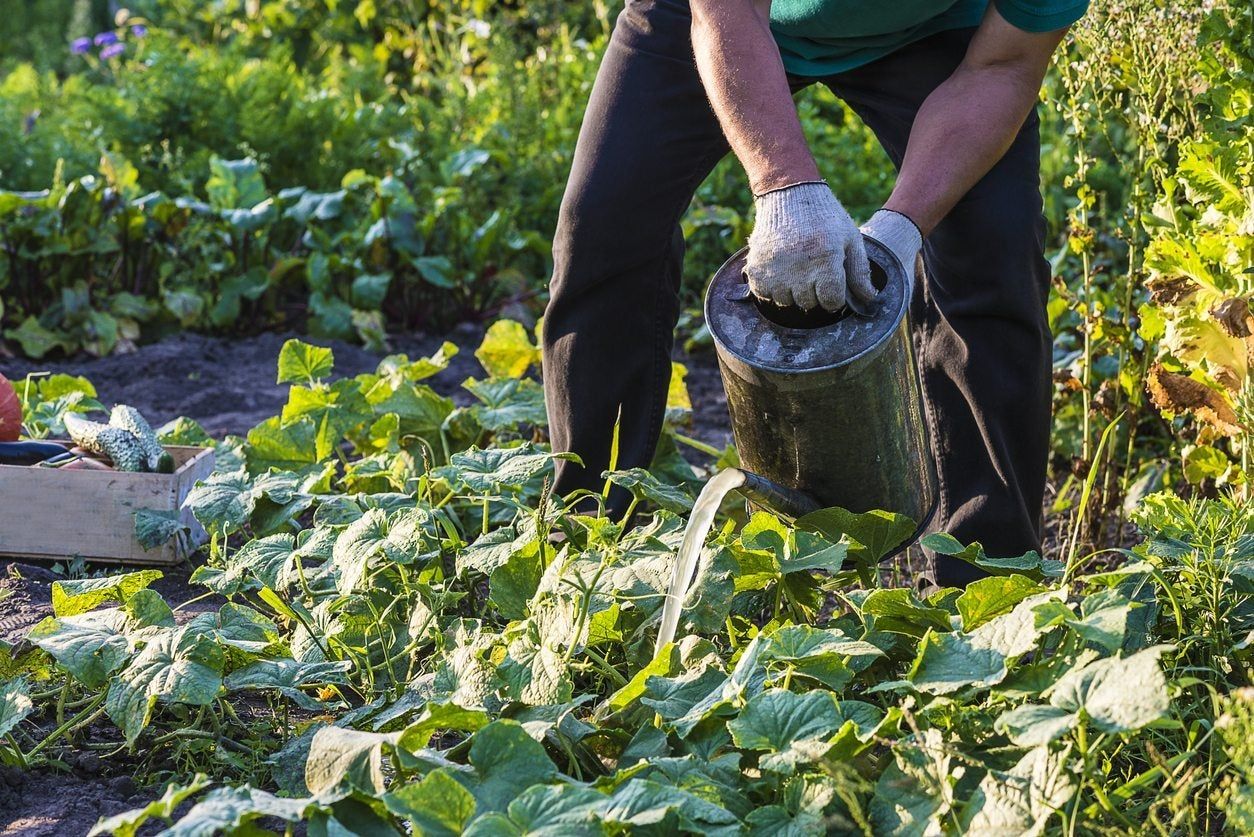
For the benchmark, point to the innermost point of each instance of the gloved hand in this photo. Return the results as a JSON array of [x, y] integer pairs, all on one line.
[[898, 233], [806, 251]]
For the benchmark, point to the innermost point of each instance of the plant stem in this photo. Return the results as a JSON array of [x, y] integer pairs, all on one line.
[[605, 668], [92, 711]]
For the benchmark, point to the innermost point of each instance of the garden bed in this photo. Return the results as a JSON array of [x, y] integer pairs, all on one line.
[[228, 385]]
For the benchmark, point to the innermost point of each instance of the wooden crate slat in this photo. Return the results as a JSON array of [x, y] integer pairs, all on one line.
[[54, 514]]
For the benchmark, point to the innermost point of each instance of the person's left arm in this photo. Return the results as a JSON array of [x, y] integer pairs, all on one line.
[[965, 126]]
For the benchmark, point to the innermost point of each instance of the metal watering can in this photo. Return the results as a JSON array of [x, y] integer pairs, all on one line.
[[826, 409]]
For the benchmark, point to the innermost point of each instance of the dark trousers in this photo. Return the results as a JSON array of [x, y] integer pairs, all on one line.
[[649, 138]]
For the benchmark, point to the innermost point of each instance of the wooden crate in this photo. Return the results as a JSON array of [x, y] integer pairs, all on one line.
[[53, 514]]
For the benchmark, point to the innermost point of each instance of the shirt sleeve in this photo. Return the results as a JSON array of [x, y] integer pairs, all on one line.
[[1041, 15]]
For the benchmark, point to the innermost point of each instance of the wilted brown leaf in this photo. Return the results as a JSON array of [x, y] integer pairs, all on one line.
[[1067, 381], [1170, 290], [1106, 398], [1176, 393], [1233, 315]]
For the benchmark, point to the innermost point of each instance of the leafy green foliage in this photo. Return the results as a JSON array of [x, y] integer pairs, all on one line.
[[455, 649], [416, 634]]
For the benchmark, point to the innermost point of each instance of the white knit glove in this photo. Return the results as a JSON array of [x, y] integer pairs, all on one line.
[[805, 249], [899, 234]]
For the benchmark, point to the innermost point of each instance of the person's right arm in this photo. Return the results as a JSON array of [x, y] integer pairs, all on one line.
[[745, 81], [803, 244]]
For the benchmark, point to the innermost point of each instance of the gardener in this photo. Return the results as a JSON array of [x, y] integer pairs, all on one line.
[[949, 88]]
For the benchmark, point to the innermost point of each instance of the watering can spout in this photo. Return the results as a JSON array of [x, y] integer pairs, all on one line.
[[779, 498]]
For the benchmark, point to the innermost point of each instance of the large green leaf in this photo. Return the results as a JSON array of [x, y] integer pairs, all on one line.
[[492, 550], [91, 646], [745, 680], [644, 486], [485, 470], [986, 598], [792, 729], [223, 500], [1104, 619], [373, 538], [178, 665], [547, 810], [823, 655], [948, 662], [73, 597], [813, 552], [15, 704], [1022, 799], [512, 585], [674, 697], [285, 446], [535, 672], [1015, 633], [341, 758], [899, 611], [642, 803], [507, 403], [507, 761], [1117, 694], [438, 806], [304, 363], [875, 534]]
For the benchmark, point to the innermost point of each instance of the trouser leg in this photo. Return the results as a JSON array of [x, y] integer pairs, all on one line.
[[647, 141], [980, 324]]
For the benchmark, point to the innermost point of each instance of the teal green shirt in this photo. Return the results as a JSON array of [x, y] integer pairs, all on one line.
[[821, 37]]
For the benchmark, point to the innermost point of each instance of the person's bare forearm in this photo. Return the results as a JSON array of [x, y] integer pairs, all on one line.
[[744, 78], [945, 157], [969, 122]]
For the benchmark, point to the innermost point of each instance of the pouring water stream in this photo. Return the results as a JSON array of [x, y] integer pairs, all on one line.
[[703, 511]]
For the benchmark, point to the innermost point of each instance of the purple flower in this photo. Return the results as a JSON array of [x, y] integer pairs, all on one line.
[[105, 38], [80, 46], [112, 51], [139, 30]]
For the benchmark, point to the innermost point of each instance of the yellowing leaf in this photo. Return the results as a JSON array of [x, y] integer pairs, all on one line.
[[677, 394], [507, 350], [1204, 343]]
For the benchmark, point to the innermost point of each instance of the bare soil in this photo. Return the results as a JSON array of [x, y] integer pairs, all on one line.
[[228, 385]]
